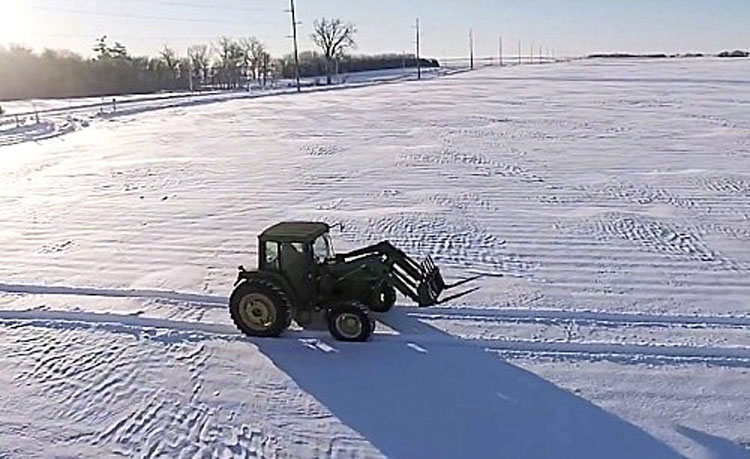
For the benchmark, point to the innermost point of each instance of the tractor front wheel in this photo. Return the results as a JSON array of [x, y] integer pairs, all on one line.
[[350, 321], [260, 308], [383, 299]]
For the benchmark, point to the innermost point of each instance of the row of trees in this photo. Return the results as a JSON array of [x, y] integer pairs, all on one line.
[[25, 74], [735, 53], [113, 70], [314, 64], [227, 64]]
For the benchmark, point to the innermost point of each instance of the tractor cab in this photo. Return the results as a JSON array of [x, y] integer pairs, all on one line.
[[293, 250], [286, 245]]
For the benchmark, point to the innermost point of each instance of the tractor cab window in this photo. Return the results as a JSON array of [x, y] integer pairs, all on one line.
[[323, 249], [294, 260], [272, 255]]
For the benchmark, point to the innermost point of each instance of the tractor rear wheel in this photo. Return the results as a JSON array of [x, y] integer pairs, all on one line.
[[350, 321], [260, 308], [384, 299]]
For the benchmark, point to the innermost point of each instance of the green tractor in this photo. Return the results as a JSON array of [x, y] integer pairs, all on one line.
[[299, 277]]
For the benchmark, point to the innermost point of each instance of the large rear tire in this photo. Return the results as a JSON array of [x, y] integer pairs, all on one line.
[[350, 321], [260, 308]]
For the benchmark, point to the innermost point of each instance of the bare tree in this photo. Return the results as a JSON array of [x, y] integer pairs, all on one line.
[[253, 51], [266, 67], [171, 61], [333, 37], [230, 62], [200, 60]]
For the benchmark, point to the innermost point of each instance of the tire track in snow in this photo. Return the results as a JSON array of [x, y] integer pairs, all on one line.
[[732, 185], [453, 239], [588, 317], [474, 165], [120, 395], [640, 194], [623, 353], [190, 331], [30, 289], [654, 235]]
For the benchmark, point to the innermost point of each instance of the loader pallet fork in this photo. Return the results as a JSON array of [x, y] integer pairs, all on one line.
[[421, 282], [299, 277]]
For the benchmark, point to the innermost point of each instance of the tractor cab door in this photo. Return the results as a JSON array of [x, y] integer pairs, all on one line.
[[296, 262]]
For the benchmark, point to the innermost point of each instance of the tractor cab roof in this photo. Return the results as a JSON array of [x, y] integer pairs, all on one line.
[[295, 231]]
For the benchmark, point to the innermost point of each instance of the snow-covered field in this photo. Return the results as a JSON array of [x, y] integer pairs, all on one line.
[[44, 119], [608, 205]]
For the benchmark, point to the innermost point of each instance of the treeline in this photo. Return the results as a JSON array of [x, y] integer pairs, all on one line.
[[314, 64], [627, 56], [735, 53], [226, 64], [25, 75]]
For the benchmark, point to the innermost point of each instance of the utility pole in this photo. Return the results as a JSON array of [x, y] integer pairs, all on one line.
[[471, 48], [190, 74], [519, 53], [541, 55], [296, 49], [500, 55], [531, 56], [266, 62], [419, 60]]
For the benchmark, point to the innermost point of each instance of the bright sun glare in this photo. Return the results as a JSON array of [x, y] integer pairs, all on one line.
[[13, 22]]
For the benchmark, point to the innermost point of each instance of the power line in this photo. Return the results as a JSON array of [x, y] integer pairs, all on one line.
[[199, 5], [139, 16], [125, 37]]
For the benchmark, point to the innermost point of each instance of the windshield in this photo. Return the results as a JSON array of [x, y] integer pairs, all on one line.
[[323, 249]]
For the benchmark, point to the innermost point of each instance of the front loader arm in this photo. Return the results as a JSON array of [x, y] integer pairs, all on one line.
[[422, 282], [393, 256]]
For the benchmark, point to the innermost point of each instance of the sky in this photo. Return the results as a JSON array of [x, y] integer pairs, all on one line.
[[567, 27]]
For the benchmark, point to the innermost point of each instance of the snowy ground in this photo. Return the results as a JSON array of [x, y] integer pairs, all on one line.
[[44, 119], [607, 203]]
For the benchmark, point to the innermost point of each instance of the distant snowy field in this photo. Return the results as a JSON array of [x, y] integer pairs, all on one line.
[[44, 119], [608, 203]]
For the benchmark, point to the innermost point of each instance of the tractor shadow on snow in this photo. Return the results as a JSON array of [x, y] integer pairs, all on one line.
[[428, 394], [423, 393], [718, 447]]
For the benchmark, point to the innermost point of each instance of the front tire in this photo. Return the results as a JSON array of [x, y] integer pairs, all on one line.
[[384, 299], [350, 321], [260, 308]]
